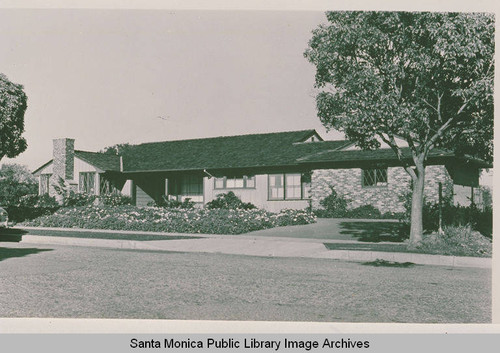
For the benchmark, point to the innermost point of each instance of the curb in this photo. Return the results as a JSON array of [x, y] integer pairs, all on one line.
[[419, 259], [346, 255], [111, 231]]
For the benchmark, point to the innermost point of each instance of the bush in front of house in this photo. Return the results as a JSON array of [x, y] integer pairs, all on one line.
[[229, 201], [457, 241], [334, 205], [159, 219], [165, 202], [115, 200], [74, 199], [480, 220], [32, 206], [288, 217]]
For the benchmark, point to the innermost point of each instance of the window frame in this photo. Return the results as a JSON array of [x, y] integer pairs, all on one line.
[[45, 182], [186, 185], [377, 183], [81, 177], [285, 196], [245, 182]]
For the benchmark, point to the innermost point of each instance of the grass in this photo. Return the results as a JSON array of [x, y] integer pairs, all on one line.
[[369, 247], [398, 247], [93, 235], [374, 231]]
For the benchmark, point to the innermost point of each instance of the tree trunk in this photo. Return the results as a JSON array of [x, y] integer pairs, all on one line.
[[417, 202]]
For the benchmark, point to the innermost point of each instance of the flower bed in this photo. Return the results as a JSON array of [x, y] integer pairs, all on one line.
[[204, 221], [457, 241]]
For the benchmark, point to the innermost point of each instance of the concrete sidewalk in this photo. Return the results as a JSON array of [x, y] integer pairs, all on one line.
[[262, 246]]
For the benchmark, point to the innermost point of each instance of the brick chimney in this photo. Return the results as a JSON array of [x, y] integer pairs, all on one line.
[[64, 158]]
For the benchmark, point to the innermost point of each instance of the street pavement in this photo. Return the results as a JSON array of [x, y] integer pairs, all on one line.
[[50, 280]]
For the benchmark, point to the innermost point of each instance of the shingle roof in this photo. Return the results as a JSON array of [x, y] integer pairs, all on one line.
[[280, 149], [243, 151], [103, 161], [362, 155]]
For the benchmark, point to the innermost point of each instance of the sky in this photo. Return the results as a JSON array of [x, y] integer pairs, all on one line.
[[105, 77]]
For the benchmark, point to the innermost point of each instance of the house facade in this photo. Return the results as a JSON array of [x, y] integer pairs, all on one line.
[[295, 169]]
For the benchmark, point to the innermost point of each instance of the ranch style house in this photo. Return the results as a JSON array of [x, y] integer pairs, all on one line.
[[294, 169]]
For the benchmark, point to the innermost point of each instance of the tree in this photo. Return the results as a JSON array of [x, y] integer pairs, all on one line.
[[16, 181], [13, 104], [118, 149], [424, 77]]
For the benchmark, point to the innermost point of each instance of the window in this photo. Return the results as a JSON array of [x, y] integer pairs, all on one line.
[[107, 186], [286, 186], [375, 177], [192, 185], [44, 183], [239, 182], [276, 187], [293, 186], [87, 182]]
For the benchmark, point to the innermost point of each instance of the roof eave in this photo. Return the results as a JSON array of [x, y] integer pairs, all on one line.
[[43, 166]]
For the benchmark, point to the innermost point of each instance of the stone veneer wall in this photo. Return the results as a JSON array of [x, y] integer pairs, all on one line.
[[63, 161], [347, 182]]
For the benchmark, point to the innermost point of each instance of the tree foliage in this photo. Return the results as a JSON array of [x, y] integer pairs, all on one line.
[[426, 77], [13, 104], [118, 149], [16, 181]]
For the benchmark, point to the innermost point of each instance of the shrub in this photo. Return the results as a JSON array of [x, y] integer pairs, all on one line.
[[366, 211], [334, 205], [32, 206], [174, 220], [229, 201], [35, 200], [115, 199], [288, 217], [457, 241], [72, 199], [480, 220], [165, 202], [15, 182]]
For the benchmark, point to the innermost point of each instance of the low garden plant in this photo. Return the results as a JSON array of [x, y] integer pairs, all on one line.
[[337, 206], [166, 203], [197, 220], [457, 241], [32, 206], [229, 201]]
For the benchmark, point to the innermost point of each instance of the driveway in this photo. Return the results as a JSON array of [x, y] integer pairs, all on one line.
[[364, 230]]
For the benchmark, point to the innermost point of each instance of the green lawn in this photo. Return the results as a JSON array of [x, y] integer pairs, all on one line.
[[402, 247], [12, 234]]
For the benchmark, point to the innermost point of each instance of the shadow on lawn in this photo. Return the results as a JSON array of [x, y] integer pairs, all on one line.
[[6, 253], [374, 232], [11, 235]]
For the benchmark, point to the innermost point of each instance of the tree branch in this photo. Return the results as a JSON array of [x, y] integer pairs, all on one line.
[[430, 105], [430, 143], [394, 146]]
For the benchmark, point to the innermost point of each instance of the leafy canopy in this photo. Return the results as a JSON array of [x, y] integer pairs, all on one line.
[[118, 149], [425, 77], [16, 181], [13, 104]]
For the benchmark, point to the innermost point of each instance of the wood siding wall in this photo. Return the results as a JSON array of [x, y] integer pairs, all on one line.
[[258, 196], [79, 166]]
